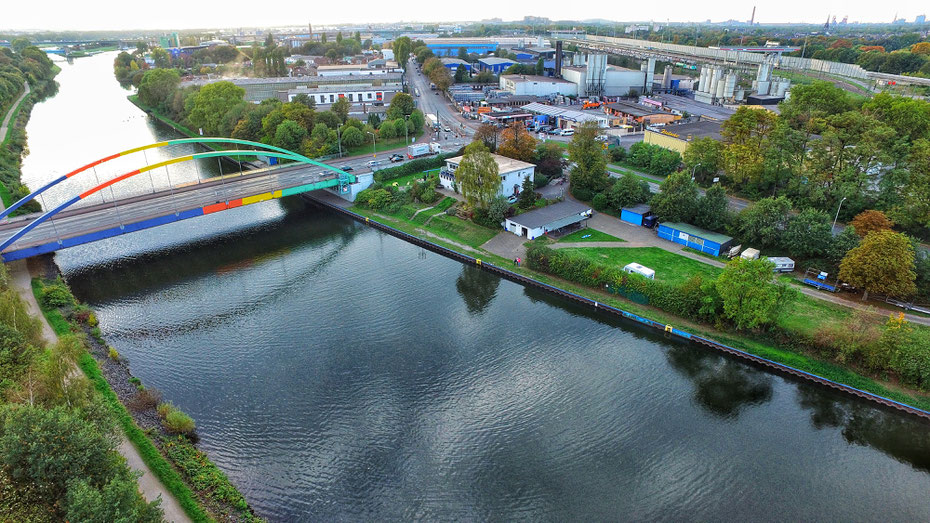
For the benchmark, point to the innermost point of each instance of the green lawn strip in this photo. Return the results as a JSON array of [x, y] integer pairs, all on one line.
[[703, 254], [670, 267], [456, 229], [150, 454], [380, 145], [5, 196], [405, 180], [624, 171], [593, 235]]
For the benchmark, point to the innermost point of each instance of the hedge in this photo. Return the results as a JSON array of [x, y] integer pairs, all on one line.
[[415, 166]]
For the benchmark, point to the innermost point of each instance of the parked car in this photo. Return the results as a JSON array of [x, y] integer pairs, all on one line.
[[601, 137], [374, 163], [555, 131], [396, 158], [447, 129]]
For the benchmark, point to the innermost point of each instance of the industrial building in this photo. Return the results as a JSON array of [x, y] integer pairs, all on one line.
[[452, 64], [324, 96], [642, 114], [480, 46], [519, 84], [356, 70], [494, 64], [695, 237], [677, 137], [258, 89], [552, 218], [565, 118], [512, 173], [595, 78]]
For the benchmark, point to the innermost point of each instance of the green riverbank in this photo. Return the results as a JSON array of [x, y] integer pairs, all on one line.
[[759, 344]]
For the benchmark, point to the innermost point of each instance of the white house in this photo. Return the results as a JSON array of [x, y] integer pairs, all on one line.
[[512, 173], [553, 217]]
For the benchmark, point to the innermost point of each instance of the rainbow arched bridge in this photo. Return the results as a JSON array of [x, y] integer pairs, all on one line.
[[66, 224]]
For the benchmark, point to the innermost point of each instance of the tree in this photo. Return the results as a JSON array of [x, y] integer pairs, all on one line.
[[703, 157], [870, 221], [341, 109], [517, 143], [628, 190], [157, 85], [488, 135], [401, 105], [815, 101], [417, 119], [441, 77], [478, 177], [677, 199], [540, 67], [527, 194], [289, 135], [352, 137], [548, 160], [304, 99], [921, 48], [211, 104], [117, 500], [401, 47], [808, 234], [463, 53], [750, 297], [589, 175], [764, 222], [882, 263], [841, 244], [711, 212], [461, 74], [745, 134], [161, 57]]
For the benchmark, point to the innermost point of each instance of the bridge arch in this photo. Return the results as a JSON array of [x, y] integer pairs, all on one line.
[[343, 176], [267, 148]]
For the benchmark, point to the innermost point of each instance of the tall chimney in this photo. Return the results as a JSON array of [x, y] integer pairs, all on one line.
[[558, 59]]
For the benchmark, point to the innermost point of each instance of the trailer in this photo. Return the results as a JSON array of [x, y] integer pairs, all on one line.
[[782, 263], [635, 268], [418, 149], [435, 147], [750, 254]]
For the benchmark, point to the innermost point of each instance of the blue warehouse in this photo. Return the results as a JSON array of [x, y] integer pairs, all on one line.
[[695, 237]]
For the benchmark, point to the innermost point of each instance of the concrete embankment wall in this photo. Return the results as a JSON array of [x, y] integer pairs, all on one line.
[[669, 330]]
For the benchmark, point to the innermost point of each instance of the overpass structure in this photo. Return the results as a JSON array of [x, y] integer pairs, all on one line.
[[733, 57], [68, 225]]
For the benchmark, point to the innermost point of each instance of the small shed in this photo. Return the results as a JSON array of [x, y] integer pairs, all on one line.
[[553, 217], [694, 237], [635, 268], [782, 263], [635, 214]]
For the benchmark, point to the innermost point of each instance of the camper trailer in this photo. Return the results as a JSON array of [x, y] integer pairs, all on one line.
[[635, 268]]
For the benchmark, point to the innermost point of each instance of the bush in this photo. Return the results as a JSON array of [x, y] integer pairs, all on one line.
[[584, 195], [113, 354], [145, 399], [617, 154], [599, 202], [414, 166], [57, 295], [177, 422]]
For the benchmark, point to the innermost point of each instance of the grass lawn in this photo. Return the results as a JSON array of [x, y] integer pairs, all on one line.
[[380, 145], [624, 171], [405, 180], [705, 255], [451, 227], [593, 235], [670, 267]]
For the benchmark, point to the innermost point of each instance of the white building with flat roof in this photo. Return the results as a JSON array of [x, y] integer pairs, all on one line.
[[512, 173], [525, 84]]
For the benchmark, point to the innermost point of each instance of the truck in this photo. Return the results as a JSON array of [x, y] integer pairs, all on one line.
[[417, 150], [432, 121], [435, 147]]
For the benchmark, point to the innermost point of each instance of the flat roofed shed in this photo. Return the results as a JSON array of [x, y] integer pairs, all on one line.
[[550, 214]]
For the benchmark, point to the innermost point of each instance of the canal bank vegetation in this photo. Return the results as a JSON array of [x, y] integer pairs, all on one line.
[[58, 439], [812, 336], [163, 434], [22, 62]]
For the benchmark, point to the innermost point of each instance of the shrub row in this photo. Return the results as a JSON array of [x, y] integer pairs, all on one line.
[[415, 166]]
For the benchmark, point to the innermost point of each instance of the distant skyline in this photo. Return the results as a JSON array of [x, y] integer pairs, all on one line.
[[60, 15]]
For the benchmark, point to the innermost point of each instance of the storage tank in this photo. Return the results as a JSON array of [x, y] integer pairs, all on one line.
[[702, 80], [715, 77], [720, 86], [730, 87]]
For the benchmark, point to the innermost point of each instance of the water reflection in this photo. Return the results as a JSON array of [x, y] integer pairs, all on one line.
[[901, 437], [722, 387], [477, 288]]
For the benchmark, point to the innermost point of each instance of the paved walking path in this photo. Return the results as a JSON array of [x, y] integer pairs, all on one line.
[[149, 485], [9, 113]]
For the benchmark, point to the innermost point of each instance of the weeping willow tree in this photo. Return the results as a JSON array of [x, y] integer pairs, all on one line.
[[478, 176]]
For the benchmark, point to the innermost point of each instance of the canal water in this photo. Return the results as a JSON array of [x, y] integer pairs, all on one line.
[[338, 373]]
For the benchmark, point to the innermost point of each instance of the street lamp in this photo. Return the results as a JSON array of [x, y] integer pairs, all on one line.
[[838, 211], [406, 132], [373, 140], [693, 169], [339, 140]]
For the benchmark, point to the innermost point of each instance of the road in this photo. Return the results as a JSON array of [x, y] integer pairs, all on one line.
[[77, 221], [436, 103]]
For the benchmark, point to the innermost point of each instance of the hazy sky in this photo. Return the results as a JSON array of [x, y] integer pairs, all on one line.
[[178, 14]]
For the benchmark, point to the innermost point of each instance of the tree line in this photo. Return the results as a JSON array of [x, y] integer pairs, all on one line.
[[218, 109]]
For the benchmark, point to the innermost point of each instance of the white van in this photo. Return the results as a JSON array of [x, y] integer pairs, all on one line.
[[568, 132]]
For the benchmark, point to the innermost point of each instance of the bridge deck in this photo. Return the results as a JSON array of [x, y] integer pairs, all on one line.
[[89, 223]]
